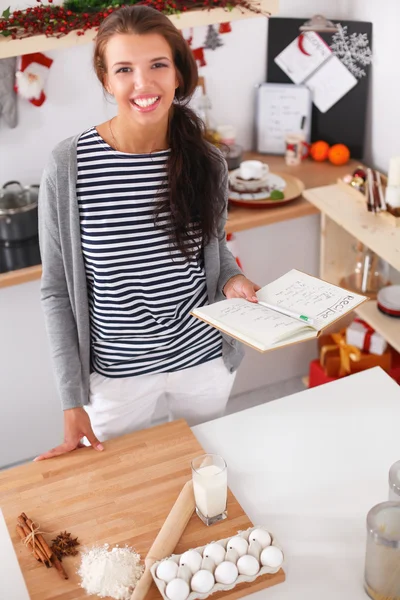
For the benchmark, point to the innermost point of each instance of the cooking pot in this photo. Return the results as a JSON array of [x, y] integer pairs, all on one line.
[[18, 211], [18, 255]]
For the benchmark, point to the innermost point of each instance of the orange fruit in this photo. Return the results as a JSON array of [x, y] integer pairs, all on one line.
[[319, 151], [339, 154]]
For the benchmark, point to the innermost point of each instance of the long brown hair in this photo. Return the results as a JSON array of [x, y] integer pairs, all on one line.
[[195, 168]]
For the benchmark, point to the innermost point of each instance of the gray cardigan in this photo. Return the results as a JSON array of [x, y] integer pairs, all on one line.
[[63, 289]]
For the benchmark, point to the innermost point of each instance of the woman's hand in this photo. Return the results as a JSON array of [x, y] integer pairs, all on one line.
[[241, 287], [76, 426]]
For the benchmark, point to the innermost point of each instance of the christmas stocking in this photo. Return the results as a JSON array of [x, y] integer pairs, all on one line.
[[31, 77]]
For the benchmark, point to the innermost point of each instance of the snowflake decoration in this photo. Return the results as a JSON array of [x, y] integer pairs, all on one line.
[[353, 50]]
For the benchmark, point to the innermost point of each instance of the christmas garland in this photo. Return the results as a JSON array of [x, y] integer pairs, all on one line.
[[81, 15]]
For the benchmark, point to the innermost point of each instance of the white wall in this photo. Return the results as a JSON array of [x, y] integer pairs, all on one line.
[[383, 127]]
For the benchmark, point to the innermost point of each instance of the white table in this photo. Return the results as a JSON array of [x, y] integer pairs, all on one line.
[[309, 467]]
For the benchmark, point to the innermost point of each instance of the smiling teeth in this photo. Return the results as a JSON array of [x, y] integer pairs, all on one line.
[[144, 102]]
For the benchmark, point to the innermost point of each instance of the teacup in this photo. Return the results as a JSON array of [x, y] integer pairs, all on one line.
[[253, 169]]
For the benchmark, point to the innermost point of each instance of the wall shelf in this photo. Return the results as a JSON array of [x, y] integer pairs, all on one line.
[[340, 206], [192, 18], [344, 221]]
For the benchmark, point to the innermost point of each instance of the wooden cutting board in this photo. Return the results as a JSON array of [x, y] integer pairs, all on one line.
[[119, 496]]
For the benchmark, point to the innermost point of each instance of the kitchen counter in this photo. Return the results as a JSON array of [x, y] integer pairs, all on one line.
[[239, 219], [308, 467], [315, 463]]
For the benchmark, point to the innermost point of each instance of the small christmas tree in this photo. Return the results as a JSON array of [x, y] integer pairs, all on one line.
[[213, 39]]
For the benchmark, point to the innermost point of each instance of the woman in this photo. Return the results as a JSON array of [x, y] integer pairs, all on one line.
[[132, 216]]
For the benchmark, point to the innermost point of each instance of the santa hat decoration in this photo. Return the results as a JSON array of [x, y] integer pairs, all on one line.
[[31, 77]]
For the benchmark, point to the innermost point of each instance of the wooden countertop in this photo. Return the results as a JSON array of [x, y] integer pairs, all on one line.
[[311, 173], [119, 496]]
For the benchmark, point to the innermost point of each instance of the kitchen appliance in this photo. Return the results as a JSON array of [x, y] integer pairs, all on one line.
[[18, 255], [19, 243]]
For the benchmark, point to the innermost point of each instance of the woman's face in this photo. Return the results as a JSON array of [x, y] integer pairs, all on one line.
[[142, 77]]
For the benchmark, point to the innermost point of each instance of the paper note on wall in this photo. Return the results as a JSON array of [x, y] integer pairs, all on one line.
[[303, 56], [282, 109], [330, 83], [310, 61]]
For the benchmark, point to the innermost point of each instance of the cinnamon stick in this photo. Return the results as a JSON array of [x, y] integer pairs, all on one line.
[[60, 569], [23, 531], [39, 538], [41, 542], [22, 535]]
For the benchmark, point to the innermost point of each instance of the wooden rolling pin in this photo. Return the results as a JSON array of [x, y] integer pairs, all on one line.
[[167, 538]]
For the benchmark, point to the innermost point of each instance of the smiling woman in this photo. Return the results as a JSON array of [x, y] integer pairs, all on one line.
[[142, 83], [132, 216]]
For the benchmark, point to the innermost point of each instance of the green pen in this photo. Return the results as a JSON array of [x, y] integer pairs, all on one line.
[[288, 313]]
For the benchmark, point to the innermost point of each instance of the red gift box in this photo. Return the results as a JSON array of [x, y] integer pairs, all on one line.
[[317, 375]]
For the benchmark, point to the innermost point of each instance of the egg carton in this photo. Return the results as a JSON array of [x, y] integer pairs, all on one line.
[[218, 587]]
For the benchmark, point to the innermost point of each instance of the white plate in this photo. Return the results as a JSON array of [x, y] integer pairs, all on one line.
[[274, 182], [389, 297]]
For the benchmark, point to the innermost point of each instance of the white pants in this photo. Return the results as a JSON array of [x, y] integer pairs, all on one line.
[[121, 405]]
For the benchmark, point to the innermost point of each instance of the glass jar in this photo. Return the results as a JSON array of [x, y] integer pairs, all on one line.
[[394, 482], [370, 272], [382, 562]]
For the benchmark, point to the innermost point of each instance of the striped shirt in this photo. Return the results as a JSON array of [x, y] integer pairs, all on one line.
[[141, 288]]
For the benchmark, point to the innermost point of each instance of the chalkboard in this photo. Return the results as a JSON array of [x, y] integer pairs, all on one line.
[[282, 108], [345, 122]]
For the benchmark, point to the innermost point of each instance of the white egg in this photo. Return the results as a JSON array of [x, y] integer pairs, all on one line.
[[177, 589], [239, 544], [167, 570], [232, 555], [192, 559], [184, 573], [226, 573], [214, 551], [271, 557], [248, 565], [208, 564], [261, 536], [255, 549], [202, 581]]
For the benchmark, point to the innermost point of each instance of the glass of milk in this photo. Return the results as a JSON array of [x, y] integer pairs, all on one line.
[[210, 485]]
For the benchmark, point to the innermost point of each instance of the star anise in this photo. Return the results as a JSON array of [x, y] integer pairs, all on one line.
[[64, 545]]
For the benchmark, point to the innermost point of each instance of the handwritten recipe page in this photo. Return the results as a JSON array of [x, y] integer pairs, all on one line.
[[310, 296]]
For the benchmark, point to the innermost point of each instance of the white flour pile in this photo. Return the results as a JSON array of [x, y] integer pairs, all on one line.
[[110, 572]]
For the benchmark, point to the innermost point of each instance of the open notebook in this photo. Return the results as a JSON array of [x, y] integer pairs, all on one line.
[[265, 328]]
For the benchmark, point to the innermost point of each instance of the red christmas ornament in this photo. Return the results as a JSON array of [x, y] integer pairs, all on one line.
[[190, 39], [225, 28], [198, 54]]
